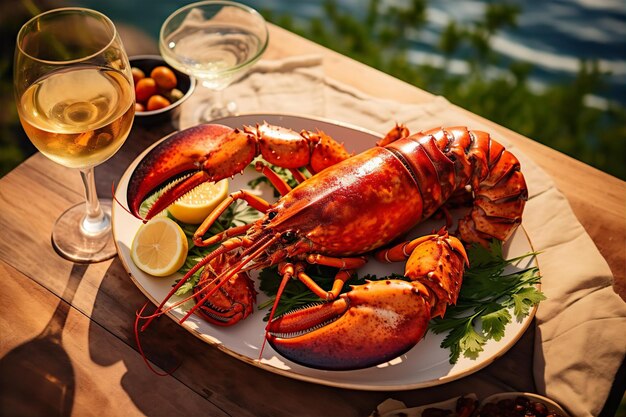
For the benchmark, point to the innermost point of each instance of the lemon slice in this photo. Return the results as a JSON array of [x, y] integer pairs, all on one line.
[[159, 247], [197, 204]]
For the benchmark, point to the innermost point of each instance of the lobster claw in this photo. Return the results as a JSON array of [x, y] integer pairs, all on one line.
[[370, 324], [207, 152]]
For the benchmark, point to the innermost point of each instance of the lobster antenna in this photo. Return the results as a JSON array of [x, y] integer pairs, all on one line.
[[225, 276], [121, 205], [140, 348], [225, 247], [287, 275], [159, 310]]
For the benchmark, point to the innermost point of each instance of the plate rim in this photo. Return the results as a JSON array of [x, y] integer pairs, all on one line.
[[285, 372]]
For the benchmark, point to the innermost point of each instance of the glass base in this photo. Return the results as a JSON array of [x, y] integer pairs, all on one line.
[[82, 242], [210, 110]]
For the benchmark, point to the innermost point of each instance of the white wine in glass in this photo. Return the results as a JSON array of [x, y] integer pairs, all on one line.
[[216, 42], [75, 99]]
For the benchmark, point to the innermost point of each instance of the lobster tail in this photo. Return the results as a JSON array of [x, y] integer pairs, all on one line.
[[497, 186], [457, 164]]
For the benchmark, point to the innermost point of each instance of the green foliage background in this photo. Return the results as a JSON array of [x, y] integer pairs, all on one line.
[[556, 116]]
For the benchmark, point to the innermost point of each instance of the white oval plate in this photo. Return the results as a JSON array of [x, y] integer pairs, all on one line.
[[423, 366]]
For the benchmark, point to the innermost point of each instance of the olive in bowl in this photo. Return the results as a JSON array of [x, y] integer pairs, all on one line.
[[159, 88]]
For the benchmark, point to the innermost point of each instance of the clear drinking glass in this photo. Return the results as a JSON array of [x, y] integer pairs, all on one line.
[[215, 42], [75, 99]]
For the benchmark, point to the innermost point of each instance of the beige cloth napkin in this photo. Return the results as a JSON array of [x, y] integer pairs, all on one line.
[[580, 330]]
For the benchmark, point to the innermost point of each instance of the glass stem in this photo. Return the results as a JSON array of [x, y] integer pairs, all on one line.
[[95, 222], [218, 97], [217, 107]]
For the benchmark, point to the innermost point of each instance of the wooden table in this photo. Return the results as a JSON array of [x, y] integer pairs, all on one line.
[[93, 307]]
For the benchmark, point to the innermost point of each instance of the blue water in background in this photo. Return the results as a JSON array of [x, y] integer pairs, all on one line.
[[552, 35]]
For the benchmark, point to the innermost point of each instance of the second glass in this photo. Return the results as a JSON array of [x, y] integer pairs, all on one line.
[[215, 42]]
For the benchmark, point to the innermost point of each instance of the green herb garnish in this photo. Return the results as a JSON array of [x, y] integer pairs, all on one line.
[[487, 296]]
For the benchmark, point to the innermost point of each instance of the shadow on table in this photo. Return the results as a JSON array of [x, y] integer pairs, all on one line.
[[114, 310], [41, 366]]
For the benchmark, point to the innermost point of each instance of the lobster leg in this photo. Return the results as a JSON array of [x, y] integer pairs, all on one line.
[[342, 263], [380, 320], [404, 250], [297, 175], [340, 279], [277, 181], [399, 131], [228, 233], [280, 184], [287, 270], [252, 200], [346, 267]]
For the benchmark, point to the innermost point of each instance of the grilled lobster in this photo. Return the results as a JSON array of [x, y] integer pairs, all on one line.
[[350, 207]]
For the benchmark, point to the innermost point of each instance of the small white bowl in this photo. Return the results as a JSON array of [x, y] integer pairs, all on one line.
[[550, 404]]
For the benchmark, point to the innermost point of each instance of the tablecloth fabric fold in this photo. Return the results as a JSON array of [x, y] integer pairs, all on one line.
[[580, 330]]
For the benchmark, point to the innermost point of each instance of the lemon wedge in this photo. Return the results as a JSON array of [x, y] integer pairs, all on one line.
[[159, 247], [197, 204]]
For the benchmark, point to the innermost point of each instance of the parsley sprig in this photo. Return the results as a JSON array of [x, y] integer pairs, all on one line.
[[487, 296]]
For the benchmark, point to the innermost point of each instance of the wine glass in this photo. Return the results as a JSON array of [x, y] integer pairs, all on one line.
[[74, 94], [215, 42]]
